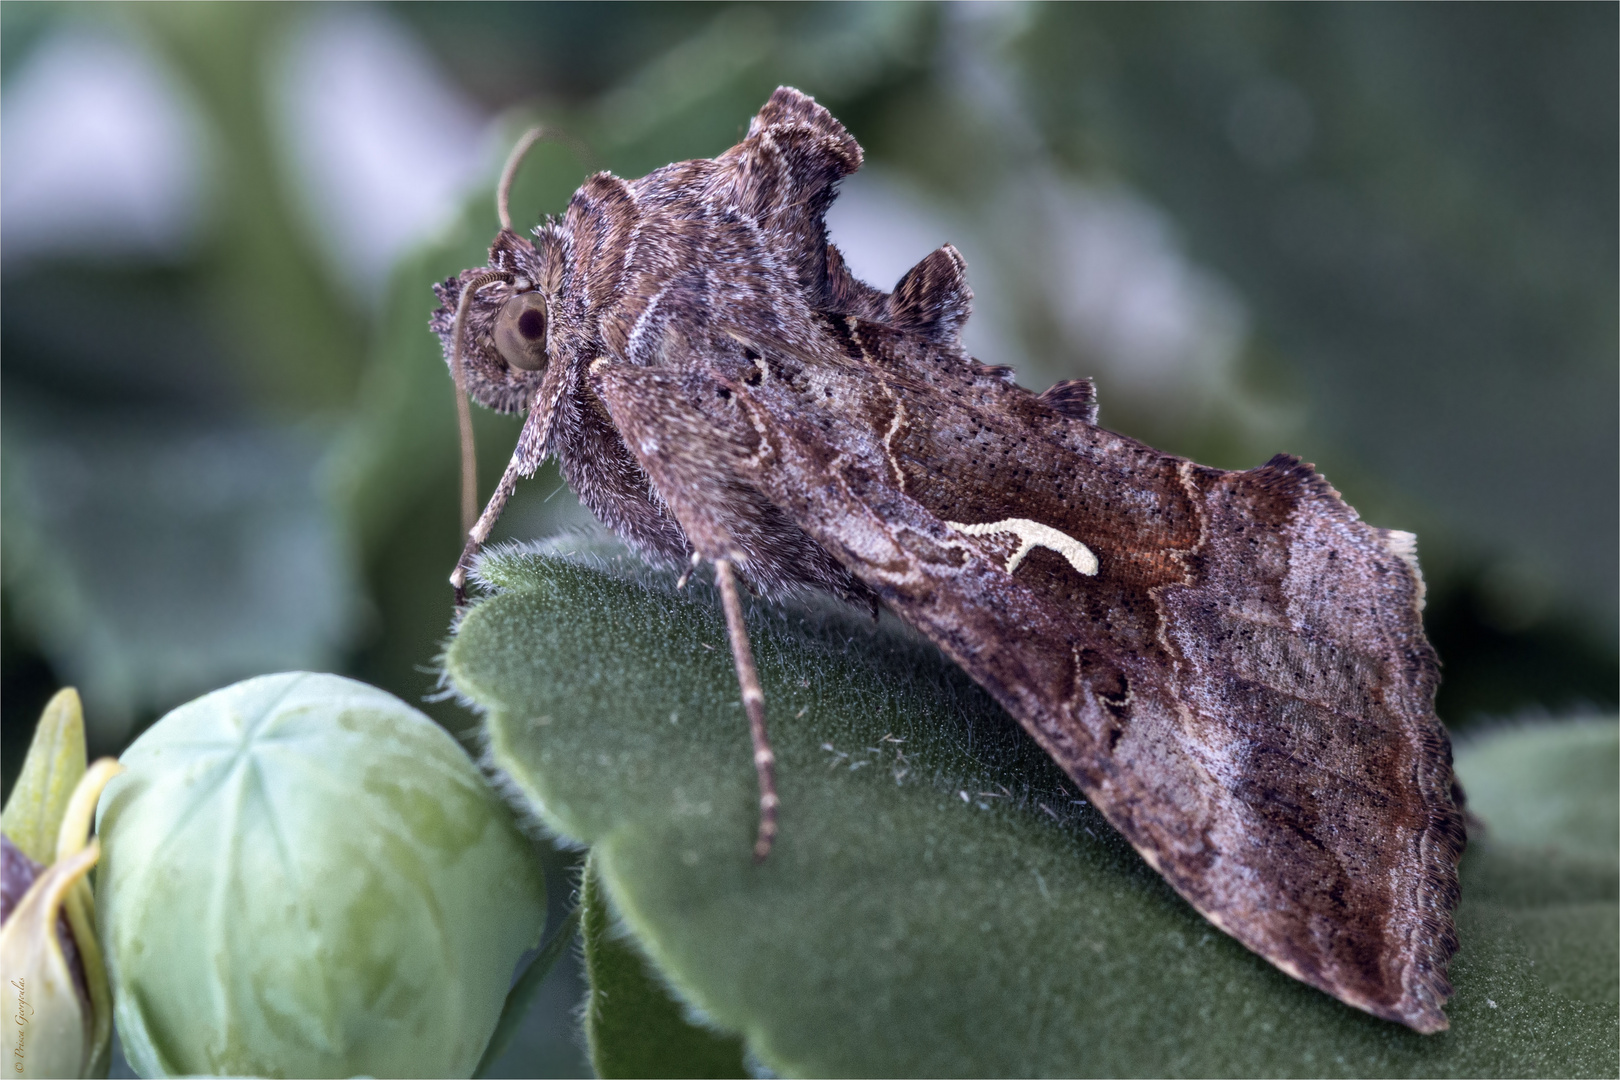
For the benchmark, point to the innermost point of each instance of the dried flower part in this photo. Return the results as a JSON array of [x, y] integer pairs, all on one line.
[[17, 873], [51, 957], [50, 1030], [60, 1019]]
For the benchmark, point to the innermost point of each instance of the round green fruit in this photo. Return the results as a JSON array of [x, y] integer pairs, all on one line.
[[302, 875]]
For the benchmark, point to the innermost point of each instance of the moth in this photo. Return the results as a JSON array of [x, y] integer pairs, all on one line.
[[1231, 665]]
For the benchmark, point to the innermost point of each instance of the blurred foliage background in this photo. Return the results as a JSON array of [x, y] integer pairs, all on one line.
[[1381, 237]]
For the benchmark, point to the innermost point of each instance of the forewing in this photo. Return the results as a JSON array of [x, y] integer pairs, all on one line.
[[1243, 686], [1232, 665]]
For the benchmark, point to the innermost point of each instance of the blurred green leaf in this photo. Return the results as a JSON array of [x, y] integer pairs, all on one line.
[[154, 553], [939, 901], [163, 528], [1547, 784], [55, 763], [633, 1025], [293, 339], [1417, 203]]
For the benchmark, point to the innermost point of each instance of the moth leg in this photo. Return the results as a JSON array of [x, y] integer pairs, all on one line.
[[526, 458], [753, 704], [484, 526], [692, 464]]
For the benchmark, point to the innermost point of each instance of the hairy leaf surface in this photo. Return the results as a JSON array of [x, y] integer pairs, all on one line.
[[941, 901]]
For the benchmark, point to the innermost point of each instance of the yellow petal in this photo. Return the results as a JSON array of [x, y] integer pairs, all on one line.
[[81, 809]]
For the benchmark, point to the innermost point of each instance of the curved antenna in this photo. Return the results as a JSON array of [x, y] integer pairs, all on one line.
[[521, 150], [458, 372], [503, 190]]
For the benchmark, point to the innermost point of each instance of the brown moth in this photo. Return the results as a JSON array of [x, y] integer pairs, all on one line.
[[1231, 664]]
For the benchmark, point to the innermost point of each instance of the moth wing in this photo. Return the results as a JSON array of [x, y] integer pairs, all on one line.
[[1237, 677], [1074, 398], [699, 476], [784, 176]]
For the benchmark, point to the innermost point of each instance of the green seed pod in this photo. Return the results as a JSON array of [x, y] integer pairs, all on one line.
[[304, 876]]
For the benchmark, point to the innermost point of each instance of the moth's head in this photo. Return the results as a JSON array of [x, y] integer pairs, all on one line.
[[500, 316], [495, 321]]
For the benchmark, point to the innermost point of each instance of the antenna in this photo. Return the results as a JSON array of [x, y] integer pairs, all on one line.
[[503, 191], [538, 133]]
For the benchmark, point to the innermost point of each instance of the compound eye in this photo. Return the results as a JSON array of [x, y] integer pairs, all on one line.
[[520, 331]]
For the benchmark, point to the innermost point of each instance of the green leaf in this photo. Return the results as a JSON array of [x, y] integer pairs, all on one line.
[[940, 901], [53, 768], [270, 582], [1547, 784], [633, 1026]]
